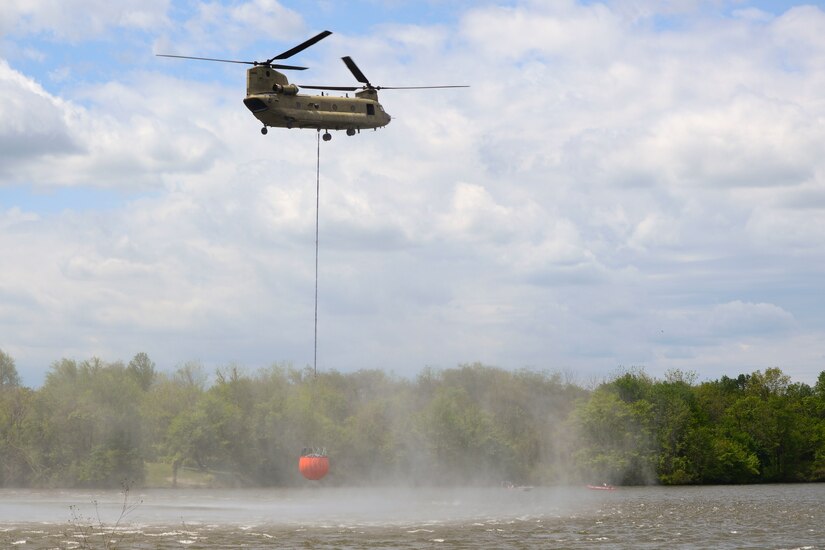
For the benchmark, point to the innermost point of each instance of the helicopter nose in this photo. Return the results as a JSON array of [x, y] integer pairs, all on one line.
[[255, 104]]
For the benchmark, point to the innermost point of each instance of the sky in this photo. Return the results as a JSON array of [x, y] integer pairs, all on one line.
[[625, 184]]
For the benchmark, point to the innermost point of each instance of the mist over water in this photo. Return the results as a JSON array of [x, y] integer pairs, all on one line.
[[314, 506], [764, 516]]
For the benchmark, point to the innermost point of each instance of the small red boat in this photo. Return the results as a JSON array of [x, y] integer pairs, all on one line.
[[604, 487]]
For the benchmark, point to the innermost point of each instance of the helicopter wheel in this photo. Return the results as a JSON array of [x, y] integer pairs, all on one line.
[[264, 130], [327, 136], [350, 131]]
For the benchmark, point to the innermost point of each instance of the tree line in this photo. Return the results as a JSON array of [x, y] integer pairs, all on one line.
[[96, 424]]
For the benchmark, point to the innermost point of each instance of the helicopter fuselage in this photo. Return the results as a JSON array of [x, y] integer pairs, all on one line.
[[277, 103]]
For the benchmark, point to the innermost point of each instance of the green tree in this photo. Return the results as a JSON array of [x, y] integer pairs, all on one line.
[[90, 431], [143, 370], [674, 424], [19, 465], [616, 442], [8, 372], [166, 409]]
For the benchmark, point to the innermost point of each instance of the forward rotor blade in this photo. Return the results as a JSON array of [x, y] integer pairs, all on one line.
[[301, 47], [207, 59], [356, 72], [256, 63], [285, 67]]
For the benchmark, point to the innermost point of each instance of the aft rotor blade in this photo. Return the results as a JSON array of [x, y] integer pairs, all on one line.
[[416, 87], [356, 72], [334, 88], [302, 46], [354, 88]]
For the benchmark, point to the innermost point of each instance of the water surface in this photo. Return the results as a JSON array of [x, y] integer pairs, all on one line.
[[763, 516]]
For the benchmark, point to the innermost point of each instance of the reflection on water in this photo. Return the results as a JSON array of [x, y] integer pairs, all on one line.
[[765, 516]]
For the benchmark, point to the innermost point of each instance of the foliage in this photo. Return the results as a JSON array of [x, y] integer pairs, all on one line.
[[94, 423], [757, 427], [8, 372]]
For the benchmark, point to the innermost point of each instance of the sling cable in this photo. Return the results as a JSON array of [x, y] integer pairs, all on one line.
[[317, 203], [314, 462]]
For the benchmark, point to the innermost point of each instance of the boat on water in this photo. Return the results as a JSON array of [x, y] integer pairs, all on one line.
[[602, 487]]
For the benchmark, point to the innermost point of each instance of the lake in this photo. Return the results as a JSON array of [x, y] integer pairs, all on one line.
[[756, 516]]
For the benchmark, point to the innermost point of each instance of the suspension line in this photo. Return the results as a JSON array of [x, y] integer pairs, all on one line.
[[317, 203]]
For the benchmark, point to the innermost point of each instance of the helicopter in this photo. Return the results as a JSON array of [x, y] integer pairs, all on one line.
[[277, 103]]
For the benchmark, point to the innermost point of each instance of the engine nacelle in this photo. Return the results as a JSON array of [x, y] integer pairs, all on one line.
[[288, 89]]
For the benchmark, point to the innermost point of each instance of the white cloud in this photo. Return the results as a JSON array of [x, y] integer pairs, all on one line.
[[563, 29], [799, 34], [222, 28], [746, 142], [34, 123], [80, 19], [605, 194], [738, 318], [15, 216], [129, 139], [265, 16]]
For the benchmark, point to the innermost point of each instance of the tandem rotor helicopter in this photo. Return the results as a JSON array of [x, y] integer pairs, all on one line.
[[276, 102]]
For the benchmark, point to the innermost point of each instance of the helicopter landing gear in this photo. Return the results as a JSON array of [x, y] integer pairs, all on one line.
[[264, 130], [350, 131], [327, 136]]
